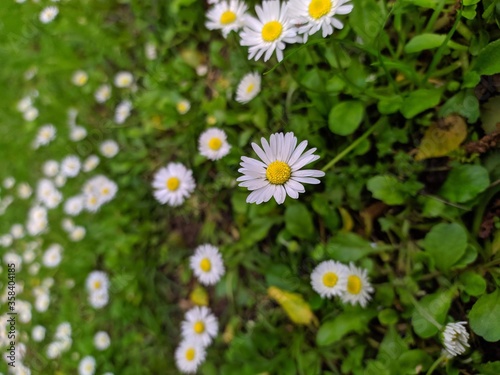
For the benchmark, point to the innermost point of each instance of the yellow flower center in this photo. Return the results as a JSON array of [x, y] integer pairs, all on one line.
[[278, 172], [81, 79], [190, 353], [354, 284], [214, 143], [250, 88], [227, 17], [105, 191], [97, 284], [271, 31], [199, 327], [319, 8], [173, 183], [93, 200], [205, 265], [330, 279]]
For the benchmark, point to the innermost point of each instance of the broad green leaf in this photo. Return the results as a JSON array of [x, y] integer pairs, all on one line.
[[294, 305], [334, 330], [464, 103], [432, 309], [348, 247], [298, 221], [490, 368], [388, 317], [442, 137], [410, 360], [485, 316], [464, 183], [346, 117], [367, 20], [419, 101], [446, 252], [424, 41], [386, 188], [390, 104], [474, 284], [488, 60]]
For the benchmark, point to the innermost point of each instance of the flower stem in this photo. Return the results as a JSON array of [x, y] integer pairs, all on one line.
[[435, 365], [353, 145]]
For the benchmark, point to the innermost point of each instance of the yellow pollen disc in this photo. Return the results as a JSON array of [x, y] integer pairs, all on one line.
[[227, 17], [190, 354], [319, 8], [250, 88], [97, 285], [330, 279], [82, 79], [181, 107], [93, 200], [214, 143], [205, 265], [354, 284], [271, 31], [105, 191], [199, 327], [278, 172], [173, 183]]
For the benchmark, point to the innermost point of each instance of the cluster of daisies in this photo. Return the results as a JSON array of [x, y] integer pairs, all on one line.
[[200, 326], [277, 23], [97, 285]]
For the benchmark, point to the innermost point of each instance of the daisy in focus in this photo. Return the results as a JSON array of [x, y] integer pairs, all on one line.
[[358, 287], [48, 14], [200, 325], [248, 88], [455, 339], [207, 264], [124, 79], [189, 355], [329, 278], [79, 78], [173, 184], [279, 173], [226, 16], [213, 144], [313, 15], [269, 32]]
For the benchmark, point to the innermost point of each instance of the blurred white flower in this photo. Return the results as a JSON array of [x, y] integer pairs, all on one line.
[[70, 166], [101, 340], [90, 163], [122, 111], [124, 79], [455, 339], [79, 78], [103, 93], [173, 184], [183, 106], [213, 144], [87, 366], [248, 88], [109, 148], [38, 333], [207, 264], [77, 133], [48, 14]]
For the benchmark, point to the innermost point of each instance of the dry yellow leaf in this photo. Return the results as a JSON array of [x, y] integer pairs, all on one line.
[[294, 305], [443, 137], [199, 296]]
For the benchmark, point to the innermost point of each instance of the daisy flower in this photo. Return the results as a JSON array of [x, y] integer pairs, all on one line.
[[79, 78], [52, 256], [90, 163], [226, 16], [279, 173], [329, 278], [30, 114], [103, 93], [200, 325], [248, 88], [45, 135], [87, 366], [98, 299], [313, 15], [102, 340], [150, 51], [109, 148], [9, 182], [48, 14], [455, 339], [183, 106], [122, 111], [77, 234], [213, 144], [269, 32], [24, 191], [24, 104], [173, 184], [77, 133], [50, 168], [207, 264], [97, 281], [124, 79], [189, 355], [70, 166], [358, 287], [38, 333], [74, 205]]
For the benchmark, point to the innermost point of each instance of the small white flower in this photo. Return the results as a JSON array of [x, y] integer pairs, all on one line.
[[77, 133], [279, 173], [122, 111], [103, 93], [77, 234], [124, 79], [54, 350], [183, 106], [189, 355], [200, 325], [207, 264], [150, 51], [17, 231], [30, 73], [70, 166], [97, 281], [24, 191], [63, 331], [30, 114], [6, 240], [248, 88], [109, 148], [50, 168], [79, 78], [227, 16], [455, 339], [48, 14], [52, 256], [42, 302], [24, 104], [60, 180], [101, 340], [74, 205], [9, 182], [201, 70], [90, 163], [45, 135], [358, 287], [98, 299], [173, 184], [38, 333], [329, 278], [213, 144], [269, 32], [87, 366]]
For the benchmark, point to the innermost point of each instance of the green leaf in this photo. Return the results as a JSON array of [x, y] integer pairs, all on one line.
[[446, 252], [367, 20], [348, 247], [390, 105], [419, 101], [423, 42], [298, 221], [410, 360], [432, 309], [346, 117], [488, 60], [464, 183], [474, 284], [464, 103], [386, 188], [333, 330], [490, 368], [485, 316], [388, 317]]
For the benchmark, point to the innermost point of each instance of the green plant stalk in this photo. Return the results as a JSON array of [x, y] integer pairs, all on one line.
[[463, 30], [436, 363], [352, 146], [432, 21]]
